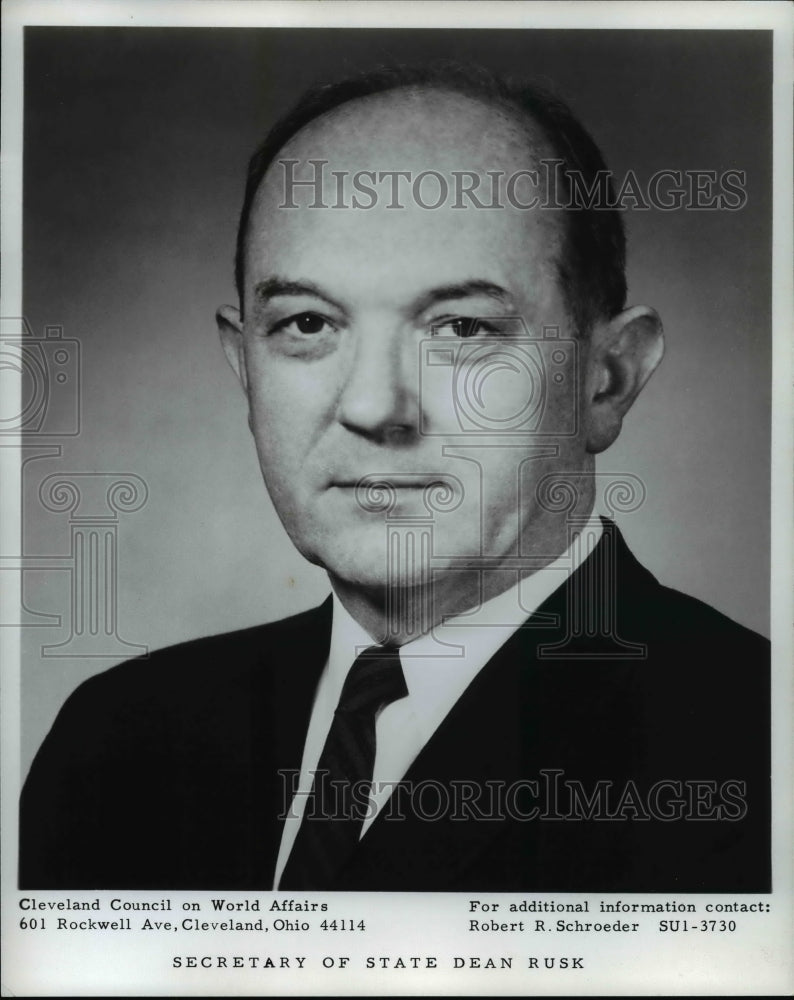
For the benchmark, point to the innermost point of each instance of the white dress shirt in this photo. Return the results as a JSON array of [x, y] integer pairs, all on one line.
[[438, 667]]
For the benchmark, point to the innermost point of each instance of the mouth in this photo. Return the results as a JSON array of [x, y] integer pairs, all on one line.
[[378, 493], [394, 481]]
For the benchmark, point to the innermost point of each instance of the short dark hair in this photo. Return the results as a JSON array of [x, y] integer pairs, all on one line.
[[592, 267]]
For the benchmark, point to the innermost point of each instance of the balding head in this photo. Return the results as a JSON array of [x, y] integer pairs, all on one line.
[[590, 265], [411, 144]]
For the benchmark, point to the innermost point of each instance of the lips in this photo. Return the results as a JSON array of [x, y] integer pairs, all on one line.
[[392, 480]]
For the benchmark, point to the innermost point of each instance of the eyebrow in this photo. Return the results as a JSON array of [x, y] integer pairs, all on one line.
[[465, 289], [275, 287], [272, 288]]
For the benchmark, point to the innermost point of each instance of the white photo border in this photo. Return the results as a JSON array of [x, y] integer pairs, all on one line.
[[757, 963]]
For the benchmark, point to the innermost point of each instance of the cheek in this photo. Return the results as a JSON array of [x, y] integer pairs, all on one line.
[[279, 436], [287, 406], [272, 417]]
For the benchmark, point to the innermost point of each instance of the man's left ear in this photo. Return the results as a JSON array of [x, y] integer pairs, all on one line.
[[623, 354]]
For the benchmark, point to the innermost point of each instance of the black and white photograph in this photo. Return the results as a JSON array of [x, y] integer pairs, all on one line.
[[397, 537]]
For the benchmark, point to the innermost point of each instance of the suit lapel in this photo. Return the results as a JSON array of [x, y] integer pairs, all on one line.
[[286, 679], [299, 658], [525, 712], [435, 830]]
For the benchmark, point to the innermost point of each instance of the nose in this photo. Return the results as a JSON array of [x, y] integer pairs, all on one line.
[[379, 396]]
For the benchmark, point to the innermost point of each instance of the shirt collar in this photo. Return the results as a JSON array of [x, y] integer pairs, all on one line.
[[439, 665]]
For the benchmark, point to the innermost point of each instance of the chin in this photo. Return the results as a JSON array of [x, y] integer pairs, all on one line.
[[357, 557], [359, 574]]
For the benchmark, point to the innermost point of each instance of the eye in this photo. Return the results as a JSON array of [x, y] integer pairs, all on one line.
[[456, 326], [308, 324], [464, 326]]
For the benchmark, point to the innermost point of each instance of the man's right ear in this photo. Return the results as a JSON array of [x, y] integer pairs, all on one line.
[[230, 328]]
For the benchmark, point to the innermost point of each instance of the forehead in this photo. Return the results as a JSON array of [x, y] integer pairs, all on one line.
[[412, 130], [388, 141], [419, 124]]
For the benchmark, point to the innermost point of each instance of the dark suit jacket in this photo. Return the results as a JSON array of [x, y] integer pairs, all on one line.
[[165, 773]]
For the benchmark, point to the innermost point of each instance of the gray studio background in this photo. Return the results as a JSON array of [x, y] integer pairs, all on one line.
[[136, 142]]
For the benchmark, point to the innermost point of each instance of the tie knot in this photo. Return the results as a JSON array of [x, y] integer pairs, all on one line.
[[374, 681]]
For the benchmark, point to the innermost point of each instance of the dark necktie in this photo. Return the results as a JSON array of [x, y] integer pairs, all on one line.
[[337, 804]]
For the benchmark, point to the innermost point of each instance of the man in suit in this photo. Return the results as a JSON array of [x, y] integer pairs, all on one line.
[[434, 343]]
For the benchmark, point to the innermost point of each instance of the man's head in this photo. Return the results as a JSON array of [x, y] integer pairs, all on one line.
[[591, 266], [339, 303]]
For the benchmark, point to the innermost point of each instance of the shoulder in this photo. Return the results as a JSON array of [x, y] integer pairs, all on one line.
[[711, 663], [668, 615], [696, 659], [178, 678], [692, 624], [702, 691]]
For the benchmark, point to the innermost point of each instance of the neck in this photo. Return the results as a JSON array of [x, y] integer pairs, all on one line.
[[398, 613]]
